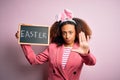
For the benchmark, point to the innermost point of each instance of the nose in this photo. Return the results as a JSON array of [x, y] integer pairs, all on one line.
[[67, 36]]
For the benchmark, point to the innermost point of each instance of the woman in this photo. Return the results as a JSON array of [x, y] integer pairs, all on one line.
[[68, 50]]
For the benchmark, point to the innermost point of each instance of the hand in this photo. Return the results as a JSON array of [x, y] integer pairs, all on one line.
[[17, 34], [83, 43]]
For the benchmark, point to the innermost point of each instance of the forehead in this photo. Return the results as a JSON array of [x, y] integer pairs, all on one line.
[[68, 27]]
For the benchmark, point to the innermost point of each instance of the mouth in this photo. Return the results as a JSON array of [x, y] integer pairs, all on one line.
[[67, 41]]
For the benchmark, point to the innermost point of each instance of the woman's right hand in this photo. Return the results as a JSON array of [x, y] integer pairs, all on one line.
[[17, 34]]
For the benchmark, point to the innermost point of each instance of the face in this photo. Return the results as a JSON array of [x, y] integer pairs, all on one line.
[[68, 34]]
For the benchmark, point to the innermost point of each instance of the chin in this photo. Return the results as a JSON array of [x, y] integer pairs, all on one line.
[[68, 44]]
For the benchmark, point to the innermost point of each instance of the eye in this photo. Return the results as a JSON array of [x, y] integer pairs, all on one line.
[[70, 32], [63, 33]]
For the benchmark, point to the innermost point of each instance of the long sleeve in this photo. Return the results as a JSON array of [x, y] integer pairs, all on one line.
[[89, 59], [32, 57]]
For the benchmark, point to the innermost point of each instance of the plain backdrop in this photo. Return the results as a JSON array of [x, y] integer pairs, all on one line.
[[103, 16]]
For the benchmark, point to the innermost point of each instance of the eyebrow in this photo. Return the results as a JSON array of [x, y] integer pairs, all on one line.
[[68, 31]]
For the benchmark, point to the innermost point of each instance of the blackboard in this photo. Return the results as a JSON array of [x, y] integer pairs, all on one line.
[[33, 34]]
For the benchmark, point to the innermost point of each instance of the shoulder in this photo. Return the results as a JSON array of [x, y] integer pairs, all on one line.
[[52, 45]]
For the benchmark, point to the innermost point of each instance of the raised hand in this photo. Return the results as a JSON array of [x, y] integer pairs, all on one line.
[[83, 44]]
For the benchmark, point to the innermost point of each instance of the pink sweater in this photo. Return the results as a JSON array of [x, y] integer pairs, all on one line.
[[53, 55]]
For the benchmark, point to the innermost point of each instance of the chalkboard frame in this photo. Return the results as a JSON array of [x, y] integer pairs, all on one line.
[[32, 43]]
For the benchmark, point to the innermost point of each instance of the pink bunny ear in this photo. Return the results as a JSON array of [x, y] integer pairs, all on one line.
[[65, 16], [68, 13], [61, 17]]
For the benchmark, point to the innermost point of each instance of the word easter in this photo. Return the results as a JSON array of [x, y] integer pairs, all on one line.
[[33, 34]]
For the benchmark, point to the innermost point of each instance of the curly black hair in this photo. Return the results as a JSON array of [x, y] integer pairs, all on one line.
[[56, 33]]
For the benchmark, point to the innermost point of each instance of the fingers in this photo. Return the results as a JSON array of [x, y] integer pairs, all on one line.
[[88, 38], [82, 37], [17, 34]]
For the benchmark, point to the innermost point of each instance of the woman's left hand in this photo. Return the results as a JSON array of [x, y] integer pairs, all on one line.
[[83, 43]]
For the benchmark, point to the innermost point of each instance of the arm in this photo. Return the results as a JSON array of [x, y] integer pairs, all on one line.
[[32, 57], [89, 59], [84, 50]]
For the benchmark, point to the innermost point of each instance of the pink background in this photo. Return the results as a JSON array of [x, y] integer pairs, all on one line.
[[103, 16]]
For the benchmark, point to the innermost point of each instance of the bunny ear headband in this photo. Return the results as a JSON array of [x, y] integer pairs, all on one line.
[[65, 16]]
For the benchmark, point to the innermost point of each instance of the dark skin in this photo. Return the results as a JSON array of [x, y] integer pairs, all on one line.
[[68, 33]]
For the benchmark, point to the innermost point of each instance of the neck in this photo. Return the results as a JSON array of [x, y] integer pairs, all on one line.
[[69, 45]]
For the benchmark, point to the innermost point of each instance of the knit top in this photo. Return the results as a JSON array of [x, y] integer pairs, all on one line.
[[65, 56]]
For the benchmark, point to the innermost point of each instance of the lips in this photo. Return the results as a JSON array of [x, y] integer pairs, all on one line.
[[67, 40]]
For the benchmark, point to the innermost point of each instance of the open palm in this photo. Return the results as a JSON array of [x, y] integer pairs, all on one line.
[[83, 43]]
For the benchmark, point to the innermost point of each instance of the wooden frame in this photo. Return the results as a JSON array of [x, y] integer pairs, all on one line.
[[34, 34]]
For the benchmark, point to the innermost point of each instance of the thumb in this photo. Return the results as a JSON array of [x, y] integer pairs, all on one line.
[[75, 50], [17, 34]]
